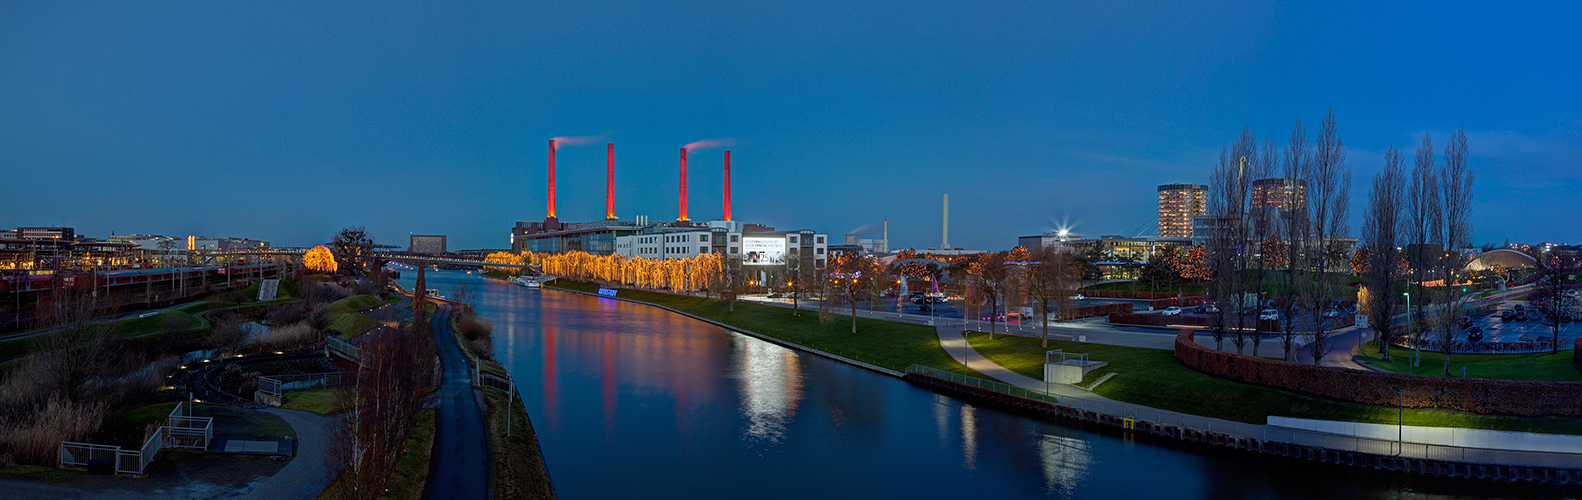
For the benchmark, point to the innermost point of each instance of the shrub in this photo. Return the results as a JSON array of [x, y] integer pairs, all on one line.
[[291, 334], [36, 438]]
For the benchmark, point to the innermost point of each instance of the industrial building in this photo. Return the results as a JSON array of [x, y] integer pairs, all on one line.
[[430, 244]]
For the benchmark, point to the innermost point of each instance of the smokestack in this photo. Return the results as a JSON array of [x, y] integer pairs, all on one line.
[[945, 227], [551, 211], [609, 181], [727, 185], [887, 235], [682, 217]]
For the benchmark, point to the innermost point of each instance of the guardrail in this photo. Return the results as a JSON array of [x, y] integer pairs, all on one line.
[[968, 380], [338, 347], [276, 385], [181, 430]]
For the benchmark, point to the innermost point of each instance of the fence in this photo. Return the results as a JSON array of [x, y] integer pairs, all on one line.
[[968, 380], [338, 347], [276, 385], [181, 430]]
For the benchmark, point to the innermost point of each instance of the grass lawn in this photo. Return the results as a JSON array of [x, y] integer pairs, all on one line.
[[1543, 367], [411, 468], [1154, 378], [884, 343], [151, 324], [353, 303], [516, 464], [320, 401], [348, 325], [41, 473]]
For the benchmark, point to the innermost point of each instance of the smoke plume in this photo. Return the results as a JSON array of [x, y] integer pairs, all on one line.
[[712, 143], [581, 139]]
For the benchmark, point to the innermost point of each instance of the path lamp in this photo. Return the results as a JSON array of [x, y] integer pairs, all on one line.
[[1400, 423], [1409, 326]]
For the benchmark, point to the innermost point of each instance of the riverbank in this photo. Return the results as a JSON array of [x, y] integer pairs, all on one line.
[[884, 346]]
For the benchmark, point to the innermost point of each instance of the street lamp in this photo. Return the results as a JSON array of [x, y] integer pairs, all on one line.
[[1400, 423], [1409, 327]]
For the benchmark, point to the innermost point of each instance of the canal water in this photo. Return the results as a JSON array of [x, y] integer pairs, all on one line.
[[631, 401]]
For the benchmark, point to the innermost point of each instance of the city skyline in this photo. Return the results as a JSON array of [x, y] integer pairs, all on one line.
[[252, 121]]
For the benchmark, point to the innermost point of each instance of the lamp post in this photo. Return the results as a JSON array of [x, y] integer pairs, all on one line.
[[1409, 327], [1400, 423]]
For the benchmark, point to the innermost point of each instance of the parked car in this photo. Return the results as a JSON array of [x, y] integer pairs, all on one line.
[[1172, 311], [1210, 309], [1079, 297], [1507, 315], [1521, 315], [1331, 313], [1466, 321], [925, 307], [776, 295], [1269, 314], [1518, 307], [1197, 309], [1474, 334]]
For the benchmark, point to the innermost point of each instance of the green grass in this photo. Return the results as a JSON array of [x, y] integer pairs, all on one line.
[[1545, 367], [320, 401], [1153, 377], [883, 343], [516, 463], [143, 326], [41, 473], [349, 325], [353, 303], [410, 474]]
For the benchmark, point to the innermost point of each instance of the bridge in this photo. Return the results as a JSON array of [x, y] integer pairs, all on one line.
[[404, 257]]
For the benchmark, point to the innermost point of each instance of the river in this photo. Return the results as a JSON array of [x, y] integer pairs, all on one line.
[[631, 401]]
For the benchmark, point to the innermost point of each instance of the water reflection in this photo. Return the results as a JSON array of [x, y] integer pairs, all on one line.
[[771, 385], [630, 401]]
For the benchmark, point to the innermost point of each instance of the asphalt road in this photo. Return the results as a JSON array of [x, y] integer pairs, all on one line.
[[461, 445]]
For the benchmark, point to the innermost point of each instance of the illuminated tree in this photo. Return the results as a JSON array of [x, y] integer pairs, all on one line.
[[319, 259], [1195, 265], [503, 258]]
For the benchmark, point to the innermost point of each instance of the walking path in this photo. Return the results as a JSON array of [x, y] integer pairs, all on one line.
[[306, 476], [461, 445]]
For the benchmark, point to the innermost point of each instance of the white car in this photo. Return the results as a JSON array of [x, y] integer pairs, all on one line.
[[1172, 311], [1269, 314], [1079, 297]]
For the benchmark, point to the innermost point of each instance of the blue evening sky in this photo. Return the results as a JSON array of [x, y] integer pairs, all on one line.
[[287, 120]]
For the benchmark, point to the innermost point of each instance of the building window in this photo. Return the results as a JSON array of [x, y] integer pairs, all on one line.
[[733, 238], [819, 251], [793, 239], [818, 240], [734, 250], [703, 237], [703, 249]]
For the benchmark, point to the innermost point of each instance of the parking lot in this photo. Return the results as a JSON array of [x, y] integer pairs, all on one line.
[[1498, 330]]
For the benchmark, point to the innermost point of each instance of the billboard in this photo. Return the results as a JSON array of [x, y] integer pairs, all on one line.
[[763, 251]]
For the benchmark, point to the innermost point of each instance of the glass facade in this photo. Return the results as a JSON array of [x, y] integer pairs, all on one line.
[[1178, 203]]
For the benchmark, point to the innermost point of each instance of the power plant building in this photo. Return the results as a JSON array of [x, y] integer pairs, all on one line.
[[1178, 204]]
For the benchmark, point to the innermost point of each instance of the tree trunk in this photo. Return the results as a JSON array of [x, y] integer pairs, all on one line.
[[853, 316]]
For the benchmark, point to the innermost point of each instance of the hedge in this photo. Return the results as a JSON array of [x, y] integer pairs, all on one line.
[[1475, 395]]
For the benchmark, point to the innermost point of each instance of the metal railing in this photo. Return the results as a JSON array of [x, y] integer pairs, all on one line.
[[181, 430], [275, 385], [343, 349], [968, 380]]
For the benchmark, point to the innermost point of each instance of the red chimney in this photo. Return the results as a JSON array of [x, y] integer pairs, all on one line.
[[609, 181], [727, 185], [551, 179], [683, 216]]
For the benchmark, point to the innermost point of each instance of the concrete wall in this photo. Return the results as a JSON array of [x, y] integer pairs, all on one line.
[[1444, 436]]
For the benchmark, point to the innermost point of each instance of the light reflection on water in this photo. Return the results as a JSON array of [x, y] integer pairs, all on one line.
[[630, 401]]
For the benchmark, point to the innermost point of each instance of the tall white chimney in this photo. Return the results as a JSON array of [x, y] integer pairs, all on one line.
[[945, 227]]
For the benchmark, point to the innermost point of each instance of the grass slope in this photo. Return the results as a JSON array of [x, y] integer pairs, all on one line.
[[319, 401], [1545, 367], [1153, 377], [883, 343]]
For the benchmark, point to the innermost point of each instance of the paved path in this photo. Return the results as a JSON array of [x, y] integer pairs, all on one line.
[[306, 476], [461, 444]]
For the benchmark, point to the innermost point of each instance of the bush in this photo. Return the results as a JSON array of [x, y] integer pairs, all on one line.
[[288, 314], [291, 335], [1476, 395], [36, 438], [479, 333]]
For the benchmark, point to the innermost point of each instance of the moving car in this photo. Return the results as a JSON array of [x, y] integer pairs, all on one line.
[[1507, 315], [776, 295], [925, 308], [1269, 314], [1210, 309], [1172, 311], [1079, 297], [1474, 334], [1466, 321], [1521, 315]]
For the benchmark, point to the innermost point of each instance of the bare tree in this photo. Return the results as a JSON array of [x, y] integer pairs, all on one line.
[[1050, 277], [1293, 226], [990, 275], [1329, 192], [1423, 228], [1456, 205], [1551, 306], [847, 280], [1381, 233]]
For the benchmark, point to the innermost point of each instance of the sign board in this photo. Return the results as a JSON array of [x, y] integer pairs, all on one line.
[[762, 251], [607, 292], [69, 280], [1362, 321]]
